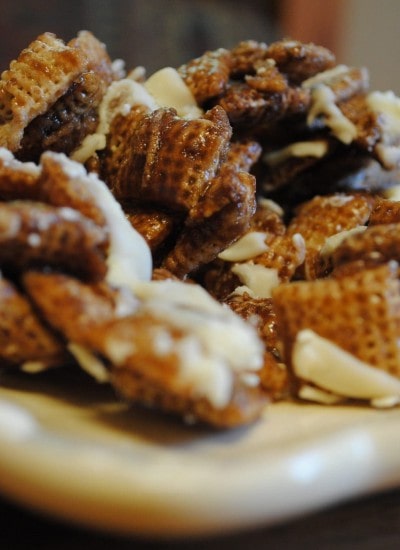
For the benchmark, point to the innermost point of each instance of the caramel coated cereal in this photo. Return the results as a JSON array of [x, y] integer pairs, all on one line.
[[203, 228]]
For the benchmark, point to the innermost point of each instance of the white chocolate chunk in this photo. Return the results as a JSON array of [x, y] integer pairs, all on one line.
[[169, 90], [329, 367], [249, 246], [258, 279]]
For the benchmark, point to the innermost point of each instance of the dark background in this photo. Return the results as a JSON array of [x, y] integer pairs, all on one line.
[[152, 33]]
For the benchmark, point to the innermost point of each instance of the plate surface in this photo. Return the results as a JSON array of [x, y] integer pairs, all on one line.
[[68, 447]]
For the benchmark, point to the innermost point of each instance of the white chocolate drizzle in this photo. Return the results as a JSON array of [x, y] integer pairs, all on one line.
[[129, 257], [386, 105], [217, 343], [324, 109], [315, 148]]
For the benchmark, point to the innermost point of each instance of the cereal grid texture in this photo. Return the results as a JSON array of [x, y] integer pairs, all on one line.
[[361, 314]]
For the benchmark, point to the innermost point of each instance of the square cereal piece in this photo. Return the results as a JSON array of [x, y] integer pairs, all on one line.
[[376, 245], [385, 211], [324, 216], [360, 313]]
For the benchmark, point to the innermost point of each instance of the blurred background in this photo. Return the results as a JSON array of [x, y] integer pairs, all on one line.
[[156, 33]]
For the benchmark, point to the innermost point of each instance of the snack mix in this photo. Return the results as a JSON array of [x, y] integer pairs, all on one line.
[[207, 239]]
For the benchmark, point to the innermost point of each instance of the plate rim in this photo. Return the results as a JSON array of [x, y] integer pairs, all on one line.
[[211, 501]]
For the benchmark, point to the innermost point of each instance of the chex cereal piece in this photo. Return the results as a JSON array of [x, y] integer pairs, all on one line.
[[17, 180], [264, 244], [97, 59], [285, 254], [187, 167], [375, 116], [324, 216], [244, 153], [268, 218], [165, 159], [155, 226], [245, 55], [219, 280], [165, 353], [275, 378], [260, 312], [368, 131], [76, 197], [299, 60], [248, 106], [207, 76], [50, 94], [64, 125], [385, 211], [161, 370], [75, 114], [245, 406], [83, 305], [50, 182], [257, 275], [372, 115], [221, 215], [59, 186], [36, 234], [377, 244], [360, 313], [28, 88], [24, 339], [344, 83], [267, 79]]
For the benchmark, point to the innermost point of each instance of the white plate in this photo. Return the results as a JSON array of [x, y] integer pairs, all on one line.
[[67, 447]]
